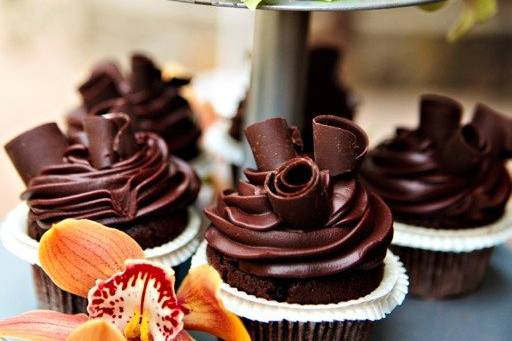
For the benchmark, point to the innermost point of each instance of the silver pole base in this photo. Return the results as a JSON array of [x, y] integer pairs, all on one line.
[[279, 64]]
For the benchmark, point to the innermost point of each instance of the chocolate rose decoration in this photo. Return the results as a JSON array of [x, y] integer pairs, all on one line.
[[443, 170], [339, 144], [293, 219], [299, 193]]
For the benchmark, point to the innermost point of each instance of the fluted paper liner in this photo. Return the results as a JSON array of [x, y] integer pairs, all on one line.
[[16, 240], [203, 165], [374, 306], [458, 241]]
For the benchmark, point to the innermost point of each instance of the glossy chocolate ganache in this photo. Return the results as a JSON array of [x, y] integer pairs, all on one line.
[[120, 179], [154, 104], [444, 174], [301, 228]]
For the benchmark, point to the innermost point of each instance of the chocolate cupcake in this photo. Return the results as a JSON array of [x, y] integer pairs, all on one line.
[[121, 179], [448, 188], [303, 233], [154, 104]]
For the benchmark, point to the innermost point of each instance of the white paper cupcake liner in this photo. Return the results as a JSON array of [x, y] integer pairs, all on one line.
[[374, 306], [203, 165], [218, 142], [16, 240], [458, 241]]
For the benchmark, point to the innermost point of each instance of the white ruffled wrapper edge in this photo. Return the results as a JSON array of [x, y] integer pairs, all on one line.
[[218, 142], [456, 241], [203, 165], [374, 306], [16, 240]]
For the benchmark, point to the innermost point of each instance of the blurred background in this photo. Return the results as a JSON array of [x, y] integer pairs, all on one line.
[[390, 57]]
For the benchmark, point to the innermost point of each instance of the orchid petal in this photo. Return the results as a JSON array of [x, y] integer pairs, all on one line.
[[199, 294], [96, 330], [41, 325], [139, 301], [75, 253]]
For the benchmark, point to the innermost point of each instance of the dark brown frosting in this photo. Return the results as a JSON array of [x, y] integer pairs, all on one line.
[[119, 178], [444, 174], [154, 104], [103, 84], [292, 218]]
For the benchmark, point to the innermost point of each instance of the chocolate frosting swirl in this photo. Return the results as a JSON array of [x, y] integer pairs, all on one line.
[[119, 178], [292, 218], [158, 107], [154, 104], [443, 174]]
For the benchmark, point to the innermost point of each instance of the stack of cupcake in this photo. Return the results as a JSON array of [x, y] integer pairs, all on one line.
[[303, 244], [153, 102]]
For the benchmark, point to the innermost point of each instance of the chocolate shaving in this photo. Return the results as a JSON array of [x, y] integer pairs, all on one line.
[[271, 142], [36, 149], [339, 144], [102, 85], [439, 117], [496, 128], [464, 150], [298, 193], [110, 139], [145, 75]]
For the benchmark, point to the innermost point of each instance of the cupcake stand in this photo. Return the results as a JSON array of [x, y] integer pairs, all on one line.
[[278, 61], [278, 64]]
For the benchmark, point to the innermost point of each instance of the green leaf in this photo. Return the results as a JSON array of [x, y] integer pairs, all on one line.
[[252, 4], [484, 9], [433, 7], [474, 12]]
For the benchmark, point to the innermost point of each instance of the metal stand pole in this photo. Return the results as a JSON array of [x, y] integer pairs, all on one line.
[[279, 64]]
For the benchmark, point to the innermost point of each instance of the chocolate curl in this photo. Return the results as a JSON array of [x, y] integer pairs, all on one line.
[[36, 149], [110, 139], [464, 150], [496, 128], [339, 144], [439, 117], [102, 85], [145, 75], [116, 105], [272, 143], [298, 193]]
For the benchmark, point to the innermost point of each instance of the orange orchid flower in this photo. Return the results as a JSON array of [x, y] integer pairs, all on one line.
[[129, 298]]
